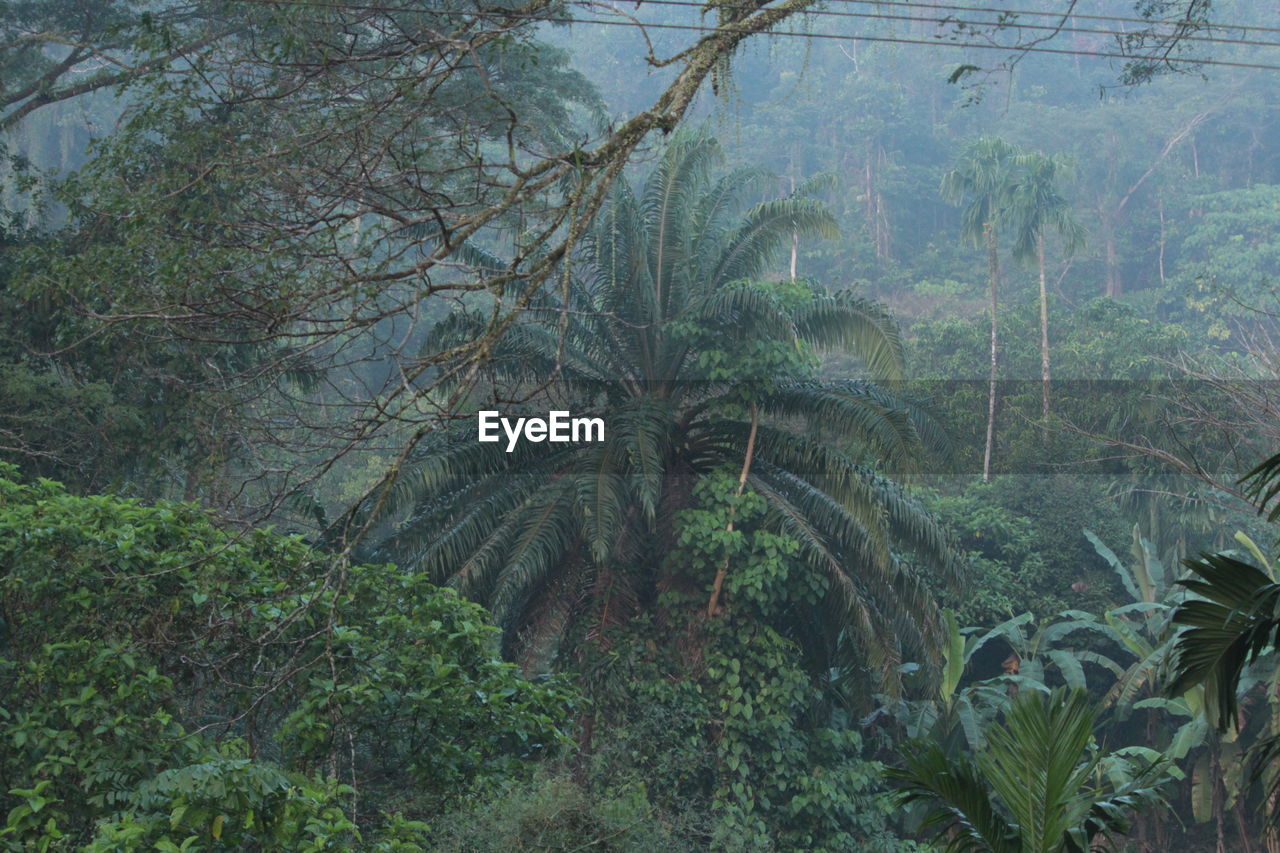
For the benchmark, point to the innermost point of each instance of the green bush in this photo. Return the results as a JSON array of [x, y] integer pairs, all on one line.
[[165, 682], [554, 813]]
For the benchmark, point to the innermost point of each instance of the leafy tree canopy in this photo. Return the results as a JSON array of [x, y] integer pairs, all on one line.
[[166, 683]]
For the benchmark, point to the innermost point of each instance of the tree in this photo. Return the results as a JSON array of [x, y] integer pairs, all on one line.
[[1233, 620], [1230, 259], [163, 678], [1040, 786], [695, 367], [1235, 616], [982, 182], [1035, 206]]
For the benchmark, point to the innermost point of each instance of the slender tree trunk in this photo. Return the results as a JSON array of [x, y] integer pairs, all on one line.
[[795, 235], [1160, 207], [1270, 837], [1113, 265], [993, 269], [1044, 342], [880, 219], [1242, 826], [1219, 800], [713, 604], [869, 198]]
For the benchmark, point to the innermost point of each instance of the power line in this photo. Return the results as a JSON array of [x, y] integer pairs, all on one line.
[[1013, 13], [543, 17], [1060, 15], [881, 39], [963, 23]]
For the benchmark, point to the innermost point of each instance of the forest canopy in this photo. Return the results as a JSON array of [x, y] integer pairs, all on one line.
[[932, 350]]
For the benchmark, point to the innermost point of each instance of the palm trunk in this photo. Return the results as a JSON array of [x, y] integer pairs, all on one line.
[[795, 235], [713, 604], [1160, 207], [993, 268], [1044, 342]]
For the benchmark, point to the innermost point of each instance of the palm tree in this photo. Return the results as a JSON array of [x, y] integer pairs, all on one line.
[[695, 367], [1235, 616], [1035, 206], [1233, 620], [981, 181], [1039, 785]]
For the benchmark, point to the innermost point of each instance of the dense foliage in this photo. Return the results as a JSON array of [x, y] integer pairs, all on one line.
[[928, 361], [167, 683], [724, 720], [693, 366]]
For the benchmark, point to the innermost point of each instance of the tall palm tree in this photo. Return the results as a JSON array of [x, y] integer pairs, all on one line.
[[1035, 206], [1038, 786], [695, 367], [981, 181]]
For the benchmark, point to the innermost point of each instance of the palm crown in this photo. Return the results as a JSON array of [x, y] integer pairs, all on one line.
[[664, 331]]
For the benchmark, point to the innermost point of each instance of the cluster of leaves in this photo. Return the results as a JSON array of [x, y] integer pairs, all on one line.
[[1008, 763], [1126, 657], [1231, 255], [1114, 377], [1040, 785], [86, 419], [728, 721], [1025, 549], [168, 684]]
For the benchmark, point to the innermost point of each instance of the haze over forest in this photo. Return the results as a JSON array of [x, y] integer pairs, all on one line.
[[900, 444]]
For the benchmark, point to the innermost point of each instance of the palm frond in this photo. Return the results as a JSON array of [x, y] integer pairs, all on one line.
[[857, 326], [669, 193], [960, 810], [767, 227], [1235, 618], [855, 413], [1263, 482]]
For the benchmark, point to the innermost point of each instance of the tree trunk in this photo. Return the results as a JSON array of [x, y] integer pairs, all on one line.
[[993, 269], [1219, 801], [1242, 826], [869, 197], [713, 604], [1270, 837], [1113, 265], [1160, 207], [1044, 342], [795, 235], [881, 222]]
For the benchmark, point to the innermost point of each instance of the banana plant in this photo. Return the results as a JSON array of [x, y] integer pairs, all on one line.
[[958, 716], [1144, 626], [1147, 638]]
